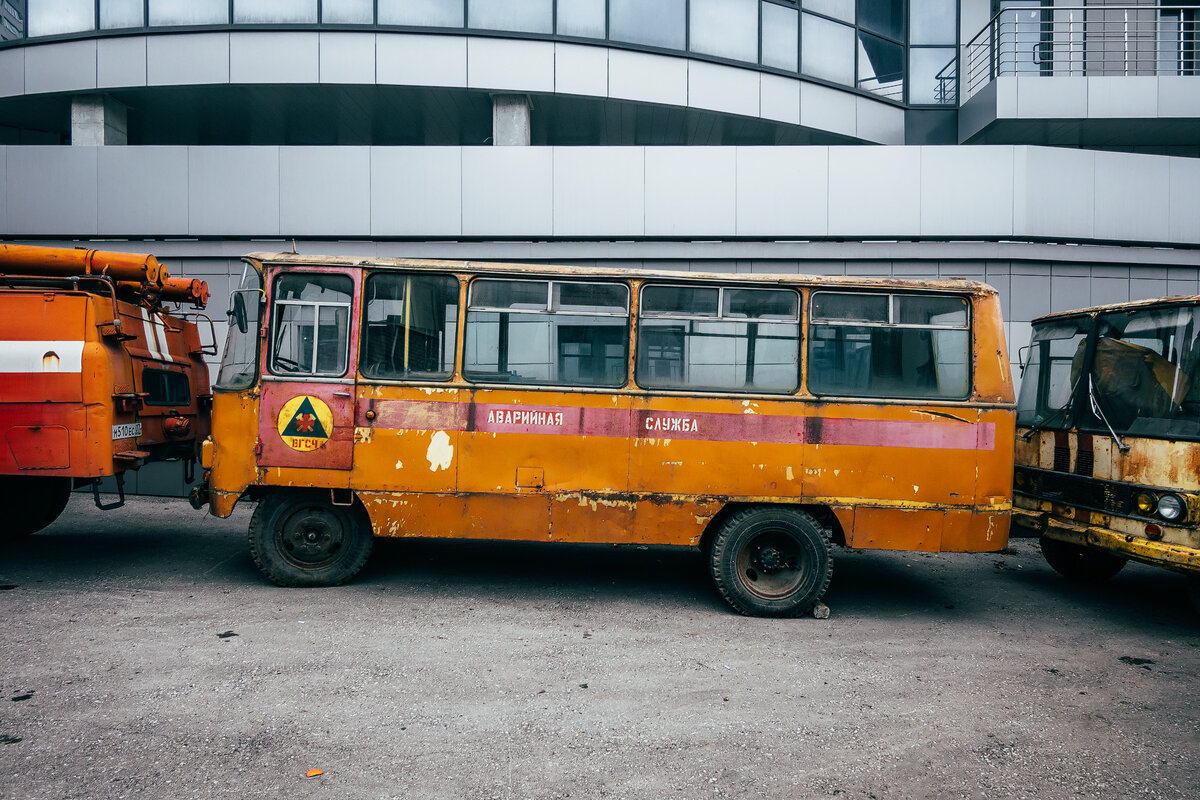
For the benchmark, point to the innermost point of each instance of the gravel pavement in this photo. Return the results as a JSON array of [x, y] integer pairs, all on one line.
[[144, 656]]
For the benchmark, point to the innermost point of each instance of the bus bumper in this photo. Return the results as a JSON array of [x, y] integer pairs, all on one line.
[[1160, 554]]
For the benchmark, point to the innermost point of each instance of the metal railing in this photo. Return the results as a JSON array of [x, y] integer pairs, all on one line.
[[1076, 40]]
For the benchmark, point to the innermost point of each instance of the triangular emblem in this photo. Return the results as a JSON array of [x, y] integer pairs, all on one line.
[[305, 423]]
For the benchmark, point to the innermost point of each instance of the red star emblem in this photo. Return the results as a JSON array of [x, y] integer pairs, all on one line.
[[304, 423]]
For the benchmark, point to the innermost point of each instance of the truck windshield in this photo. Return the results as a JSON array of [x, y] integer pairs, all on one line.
[[239, 363], [1052, 370], [1143, 372]]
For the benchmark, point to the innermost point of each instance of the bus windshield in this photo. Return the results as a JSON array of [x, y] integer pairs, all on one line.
[[1051, 373], [239, 365]]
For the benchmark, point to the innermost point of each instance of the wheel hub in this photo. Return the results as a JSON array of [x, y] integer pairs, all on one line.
[[769, 559], [311, 537]]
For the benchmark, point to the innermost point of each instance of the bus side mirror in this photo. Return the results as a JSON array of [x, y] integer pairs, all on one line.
[[237, 312], [1021, 361]]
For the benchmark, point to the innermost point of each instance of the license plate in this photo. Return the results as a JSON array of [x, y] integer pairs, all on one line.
[[129, 430]]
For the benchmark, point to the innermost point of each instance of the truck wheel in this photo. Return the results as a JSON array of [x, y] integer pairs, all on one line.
[[771, 562], [1080, 563], [301, 539], [31, 503]]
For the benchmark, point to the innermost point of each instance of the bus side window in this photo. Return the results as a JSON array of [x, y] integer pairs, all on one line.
[[719, 338], [554, 333], [889, 345], [411, 326], [311, 324]]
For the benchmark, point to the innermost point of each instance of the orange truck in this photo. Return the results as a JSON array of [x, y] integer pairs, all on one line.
[[97, 376]]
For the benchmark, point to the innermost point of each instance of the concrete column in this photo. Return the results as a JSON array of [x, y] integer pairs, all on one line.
[[98, 120], [510, 119]]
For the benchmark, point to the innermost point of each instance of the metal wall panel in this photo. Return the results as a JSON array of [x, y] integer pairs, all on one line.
[[1051, 97], [507, 191], [514, 65], [142, 191], [874, 191], [966, 191], [187, 58], [62, 67], [274, 57], [121, 62], [782, 191], [690, 189], [414, 59], [828, 109], [647, 77], [51, 189], [878, 122], [1132, 96], [1132, 198], [580, 69], [1053, 191], [233, 191], [325, 191], [779, 98], [416, 191], [598, 191], [12, 72], [1184, 193], [1030, 296], [1178, 96], [720, 88], [347, 57]]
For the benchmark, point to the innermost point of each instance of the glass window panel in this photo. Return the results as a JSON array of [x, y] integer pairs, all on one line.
[[517, 295], [688, 301], [121, 14], [780, 27], [827, 50], [545, 349], [880, 66], [581, 18], [596, 298], [725, 28], [311, 333], [422, 13], [839, 9], [888, 362], [933, 22], [189, 12], [943, 312], [348, 12], [932, 76], [1053, 365], [761, 303], [882, 16], [718, 355], [411, 326], [278, 11], [239, 359], [52, 17], [850, 307], [659, 23], [529, 16]]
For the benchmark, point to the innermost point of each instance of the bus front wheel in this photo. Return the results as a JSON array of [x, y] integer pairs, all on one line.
[[301, 539], [31, 503], [1079, 563], [771, 562]]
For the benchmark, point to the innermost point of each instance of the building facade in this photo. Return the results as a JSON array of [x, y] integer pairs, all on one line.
[[1052, 150]]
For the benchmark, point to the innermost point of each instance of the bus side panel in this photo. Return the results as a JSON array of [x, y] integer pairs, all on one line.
[[406, 439], [234, 437]]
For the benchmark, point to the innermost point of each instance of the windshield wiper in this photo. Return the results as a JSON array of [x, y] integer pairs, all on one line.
[[1124, 448]]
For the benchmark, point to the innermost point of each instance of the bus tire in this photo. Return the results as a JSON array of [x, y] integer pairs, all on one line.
[[771, 562], [1080, 563], [31, 503], [301, 539]]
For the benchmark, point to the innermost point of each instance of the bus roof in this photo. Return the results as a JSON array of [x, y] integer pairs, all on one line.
[[1176, 300], [956, 285]]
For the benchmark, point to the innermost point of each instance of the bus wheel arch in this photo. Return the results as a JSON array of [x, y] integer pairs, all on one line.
[[299, 537], [770, 560]]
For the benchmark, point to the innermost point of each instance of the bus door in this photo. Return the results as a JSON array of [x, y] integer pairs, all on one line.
[[409, 416], [547, 459], [306, 418]]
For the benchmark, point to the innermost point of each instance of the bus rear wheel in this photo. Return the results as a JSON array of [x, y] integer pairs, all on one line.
[[771, 562], [31, 503], [301, 539], [1080, 563]]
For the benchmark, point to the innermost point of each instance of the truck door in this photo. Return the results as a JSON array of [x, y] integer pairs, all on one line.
[[307, 405]]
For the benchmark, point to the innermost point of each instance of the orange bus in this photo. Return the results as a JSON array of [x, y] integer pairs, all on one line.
[[759, 418], [1108, 443]]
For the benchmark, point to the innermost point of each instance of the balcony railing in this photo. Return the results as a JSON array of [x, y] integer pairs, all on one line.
[[1077, 40]]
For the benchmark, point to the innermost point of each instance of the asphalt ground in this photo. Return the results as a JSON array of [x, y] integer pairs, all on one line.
[[143, 655]]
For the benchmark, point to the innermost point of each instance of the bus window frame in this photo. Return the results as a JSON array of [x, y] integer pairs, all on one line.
[[275, 306], [457, 352], [813, 321]]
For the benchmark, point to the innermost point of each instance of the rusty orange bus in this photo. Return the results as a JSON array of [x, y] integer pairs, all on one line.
[[1108, 439], [759, 418]]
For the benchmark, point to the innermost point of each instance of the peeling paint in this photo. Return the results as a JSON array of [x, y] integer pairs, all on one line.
[[790, 475], [440, 452], [399, 465]]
